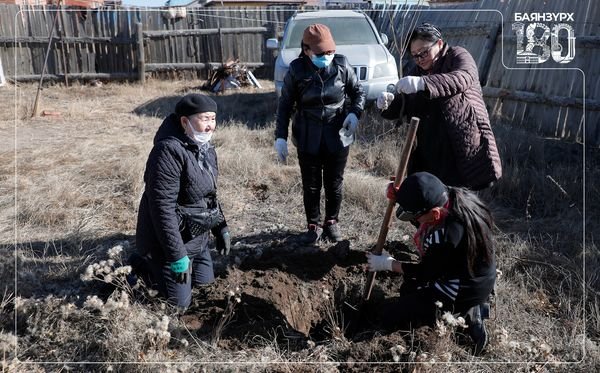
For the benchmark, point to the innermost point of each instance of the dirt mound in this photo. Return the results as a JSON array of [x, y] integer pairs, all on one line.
[[293, 292], [297, 283]]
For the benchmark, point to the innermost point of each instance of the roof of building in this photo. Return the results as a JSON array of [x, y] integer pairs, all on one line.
[[216, 2]]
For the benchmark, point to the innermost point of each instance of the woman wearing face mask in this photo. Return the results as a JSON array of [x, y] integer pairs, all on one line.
[[457, 269], [328, 100], [455, 141], [179, 205]]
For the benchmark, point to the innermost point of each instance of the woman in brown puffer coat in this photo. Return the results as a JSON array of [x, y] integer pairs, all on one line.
[[455, 141]]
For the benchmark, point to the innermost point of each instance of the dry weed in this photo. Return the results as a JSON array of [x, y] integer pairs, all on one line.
[[234, 297], [78, 182]]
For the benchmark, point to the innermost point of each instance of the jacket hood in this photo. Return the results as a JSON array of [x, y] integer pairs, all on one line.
[[171, 129]]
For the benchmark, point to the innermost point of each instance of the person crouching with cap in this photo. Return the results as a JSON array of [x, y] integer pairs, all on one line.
[[179, 205], [323, 90], [457, 267]]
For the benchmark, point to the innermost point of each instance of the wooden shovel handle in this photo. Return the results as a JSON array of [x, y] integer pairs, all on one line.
[[400, 175]]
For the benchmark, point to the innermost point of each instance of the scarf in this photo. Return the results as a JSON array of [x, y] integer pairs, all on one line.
[[426, 228]]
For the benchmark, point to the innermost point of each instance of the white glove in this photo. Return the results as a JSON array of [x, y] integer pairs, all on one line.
[[282, 149], [384, 100], [381, 262], [350, 124], [410, 84]]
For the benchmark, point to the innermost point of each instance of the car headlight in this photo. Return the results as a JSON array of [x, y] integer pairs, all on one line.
[[385, 69]]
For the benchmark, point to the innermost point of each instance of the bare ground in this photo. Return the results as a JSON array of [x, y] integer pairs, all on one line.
[[276, 305]]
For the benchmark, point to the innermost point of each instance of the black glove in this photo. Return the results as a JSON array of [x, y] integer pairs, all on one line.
[[181, 278], [223, 239]]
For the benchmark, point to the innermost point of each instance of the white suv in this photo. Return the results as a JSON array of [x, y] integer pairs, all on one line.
[[355, 37]]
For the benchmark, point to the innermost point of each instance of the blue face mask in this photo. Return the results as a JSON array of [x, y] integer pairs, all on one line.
[[323, 61]]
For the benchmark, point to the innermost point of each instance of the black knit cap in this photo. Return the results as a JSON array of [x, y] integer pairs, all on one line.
[[195, 103], [419, 193]]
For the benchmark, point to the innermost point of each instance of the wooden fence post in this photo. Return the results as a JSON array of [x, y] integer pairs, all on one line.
[[221, 45], [65, 62], [2, 79], [490, 48], [221, 55], [141, 58], [271, 54], [39, 89]]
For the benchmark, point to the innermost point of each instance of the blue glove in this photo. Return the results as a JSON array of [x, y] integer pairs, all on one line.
[[180, 268], [350, 124], [282, 149]]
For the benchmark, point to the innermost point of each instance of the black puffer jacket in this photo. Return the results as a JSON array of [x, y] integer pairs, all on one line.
[[178, 171], [322, 98]]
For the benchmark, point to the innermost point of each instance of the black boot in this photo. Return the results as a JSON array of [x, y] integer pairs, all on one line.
[[140, 269], [331, 230], [312, 235], [476, 325]]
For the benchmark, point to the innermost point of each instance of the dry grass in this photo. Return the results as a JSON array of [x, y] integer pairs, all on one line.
[[79, 178]]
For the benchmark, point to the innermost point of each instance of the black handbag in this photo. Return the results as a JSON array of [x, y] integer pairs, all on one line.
[[198, 220]]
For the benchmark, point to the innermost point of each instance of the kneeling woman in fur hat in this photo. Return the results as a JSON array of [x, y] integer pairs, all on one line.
[[179, 205], [457, 270]]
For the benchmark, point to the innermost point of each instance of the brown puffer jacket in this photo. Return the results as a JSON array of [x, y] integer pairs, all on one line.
[[453, 103]]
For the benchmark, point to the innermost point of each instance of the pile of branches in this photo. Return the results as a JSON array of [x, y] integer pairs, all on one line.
[[231, 75]]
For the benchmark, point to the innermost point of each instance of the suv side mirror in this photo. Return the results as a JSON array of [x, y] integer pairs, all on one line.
[[272, 43], [384, 38]]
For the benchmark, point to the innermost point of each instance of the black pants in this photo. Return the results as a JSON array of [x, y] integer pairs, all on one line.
[[324, 169], [200, 272], [156, 272], [411, 310]]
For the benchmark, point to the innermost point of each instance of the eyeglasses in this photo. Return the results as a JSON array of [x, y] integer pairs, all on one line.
[[423, 54]]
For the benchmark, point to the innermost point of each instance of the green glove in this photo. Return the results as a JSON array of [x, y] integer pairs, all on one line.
[[179, 268]]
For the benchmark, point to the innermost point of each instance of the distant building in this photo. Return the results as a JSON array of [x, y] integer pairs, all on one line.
[[182, 2], [77, 3], [439, 3], [241, 3], [24, 2], [238, 3]]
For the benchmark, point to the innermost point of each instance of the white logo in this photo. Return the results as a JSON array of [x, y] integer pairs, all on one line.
[[534, 49]]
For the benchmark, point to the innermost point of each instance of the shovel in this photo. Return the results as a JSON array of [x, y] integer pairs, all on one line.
[[400, 175], [356, 314]]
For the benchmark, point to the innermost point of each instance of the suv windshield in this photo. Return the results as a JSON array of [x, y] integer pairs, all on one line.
[[360, 31]]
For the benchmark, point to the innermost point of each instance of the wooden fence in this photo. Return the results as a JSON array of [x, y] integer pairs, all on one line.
[[546, 99], [108, 44]]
